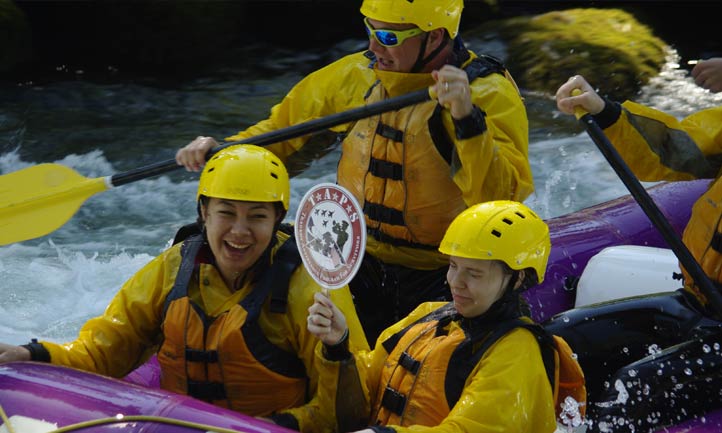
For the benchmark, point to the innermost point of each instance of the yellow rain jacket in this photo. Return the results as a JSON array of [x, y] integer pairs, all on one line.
[[130, 330], [658, 146], [407, 212], [507, 390]]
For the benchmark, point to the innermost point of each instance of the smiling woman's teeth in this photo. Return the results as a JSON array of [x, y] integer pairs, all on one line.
[[236, 246]]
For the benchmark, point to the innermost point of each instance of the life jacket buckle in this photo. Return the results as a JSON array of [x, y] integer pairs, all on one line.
[[393, 401], [207, 391], [409, 363]]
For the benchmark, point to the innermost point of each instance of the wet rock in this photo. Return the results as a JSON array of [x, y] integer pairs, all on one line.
[[609, 47]]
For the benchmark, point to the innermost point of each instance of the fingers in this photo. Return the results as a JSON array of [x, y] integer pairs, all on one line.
[[325, 320], [564, 95], [11, 353], [453, 91], [193, 155], [589, 100], [708, 74], [320, 323], [321, 308]]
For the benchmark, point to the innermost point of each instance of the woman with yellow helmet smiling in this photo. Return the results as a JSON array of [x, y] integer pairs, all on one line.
[[225, 309], [414, 169]]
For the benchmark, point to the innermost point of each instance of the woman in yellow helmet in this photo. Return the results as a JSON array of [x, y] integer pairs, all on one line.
[[413, 170], [432, 368], [217, 307]]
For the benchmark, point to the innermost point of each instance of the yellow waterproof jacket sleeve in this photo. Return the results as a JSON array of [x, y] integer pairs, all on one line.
[[337, 87], [121, 338], [658, 146], [495, 164], [507, 391], [310, 416]]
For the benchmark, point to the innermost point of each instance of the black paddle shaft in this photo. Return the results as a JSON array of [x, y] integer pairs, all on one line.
[[282, 134], [655, 215]]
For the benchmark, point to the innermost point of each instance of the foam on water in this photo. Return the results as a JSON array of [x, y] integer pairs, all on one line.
[[50, 290]]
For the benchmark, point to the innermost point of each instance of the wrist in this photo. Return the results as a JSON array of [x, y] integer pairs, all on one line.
[[38, 352], [338, 351], [609, 114], [340, 340], [472, 125]]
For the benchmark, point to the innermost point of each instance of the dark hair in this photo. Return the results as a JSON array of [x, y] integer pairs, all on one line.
[[529, 280]]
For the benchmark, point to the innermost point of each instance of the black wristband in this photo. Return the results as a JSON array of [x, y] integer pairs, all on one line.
[[38, 352], [609, 114], [472, 125], [338, 351], [285, 420]]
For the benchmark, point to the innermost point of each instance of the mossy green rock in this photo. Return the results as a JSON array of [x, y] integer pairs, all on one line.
[[609, 47], [14, 36]]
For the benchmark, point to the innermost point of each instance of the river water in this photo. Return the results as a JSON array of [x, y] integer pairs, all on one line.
[[51, 285]]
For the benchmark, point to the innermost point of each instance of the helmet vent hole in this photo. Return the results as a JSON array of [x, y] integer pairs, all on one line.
[[211, 169], [508, 221], [496, 233], [275, 163], [521, 215], [274, 175]]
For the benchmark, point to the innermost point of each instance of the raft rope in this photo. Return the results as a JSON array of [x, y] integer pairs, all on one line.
[[128, 418], [146, 418], [6, 421]]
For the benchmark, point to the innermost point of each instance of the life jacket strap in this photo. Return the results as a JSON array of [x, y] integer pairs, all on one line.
[[386, 169], [207, 391], [381, 213], [206, 356], [393, 401], [390, 132], [409, 363]]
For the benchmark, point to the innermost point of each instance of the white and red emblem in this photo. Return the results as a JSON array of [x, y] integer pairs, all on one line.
[[331, 234]]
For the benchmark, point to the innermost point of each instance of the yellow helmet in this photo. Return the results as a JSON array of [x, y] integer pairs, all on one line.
[[247, 173], [425, 14], [500, 230]]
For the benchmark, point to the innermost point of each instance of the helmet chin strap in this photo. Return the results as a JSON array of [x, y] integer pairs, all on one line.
[[421, 62]]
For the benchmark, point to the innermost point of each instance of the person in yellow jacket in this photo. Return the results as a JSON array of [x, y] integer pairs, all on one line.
[[431, 371], [225, 309], [658, 146], [412, 170]]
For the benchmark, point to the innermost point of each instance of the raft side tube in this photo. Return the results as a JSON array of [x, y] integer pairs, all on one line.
[[578, 236], [67, 396]]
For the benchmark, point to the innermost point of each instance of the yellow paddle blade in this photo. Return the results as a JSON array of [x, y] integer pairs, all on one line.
[[39, 199]]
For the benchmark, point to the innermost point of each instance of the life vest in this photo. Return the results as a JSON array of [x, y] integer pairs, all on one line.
[[399, 166], [703, 238], [418, 346], [227, 360]]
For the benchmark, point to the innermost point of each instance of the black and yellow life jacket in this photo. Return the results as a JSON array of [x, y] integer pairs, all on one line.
[[399, 166], [459, 353], [228, 360]]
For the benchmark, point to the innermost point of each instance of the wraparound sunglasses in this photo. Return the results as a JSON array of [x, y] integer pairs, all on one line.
[[390, 38]]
